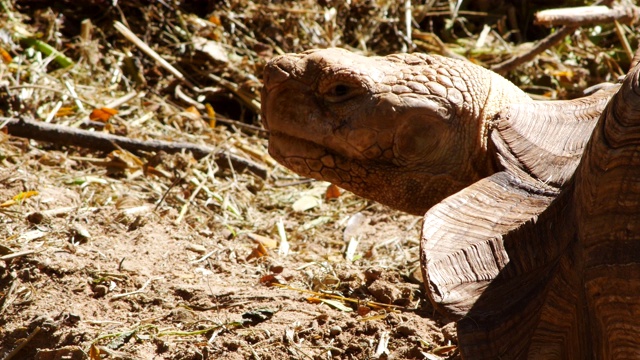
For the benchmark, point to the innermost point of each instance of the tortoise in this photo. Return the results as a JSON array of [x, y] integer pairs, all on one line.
[[531, 235]]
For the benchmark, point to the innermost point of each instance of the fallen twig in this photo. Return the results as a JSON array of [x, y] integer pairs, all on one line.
[[588, 15], [22, 344], [541, 46], [16, 254], [65, 135], [342, 298], [149, 51], [141, 290], [623, 39], [571, 19]]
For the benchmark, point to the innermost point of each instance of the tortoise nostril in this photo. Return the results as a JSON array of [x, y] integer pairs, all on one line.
[[274, 75]]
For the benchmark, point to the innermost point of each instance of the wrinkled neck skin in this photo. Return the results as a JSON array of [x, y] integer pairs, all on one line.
[[405, 130]]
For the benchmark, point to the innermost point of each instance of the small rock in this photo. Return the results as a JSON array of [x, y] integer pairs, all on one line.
[[79, 234], [227, 234], [197, 248], [232, 345], [161, 346], [406, 330], [335, 352], [322, 319], [335, 330], [384, 292], [38, 218], [100, 291], [182, 315], [372, 274], [450, 332]]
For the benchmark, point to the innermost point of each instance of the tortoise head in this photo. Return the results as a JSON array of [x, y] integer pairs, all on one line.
[[404, 130]]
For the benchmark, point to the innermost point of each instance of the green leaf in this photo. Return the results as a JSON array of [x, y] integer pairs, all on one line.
[[48, 50]]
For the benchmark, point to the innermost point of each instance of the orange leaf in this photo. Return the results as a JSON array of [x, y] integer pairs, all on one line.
[[21, 196], [211, 114], [267, 279], [272, 279], [333, 192], [25, 195], [258, 252], [102, 114], [193, 110], [214, 19], [8, 203], [94, 353], [6, 57], [363, 310]]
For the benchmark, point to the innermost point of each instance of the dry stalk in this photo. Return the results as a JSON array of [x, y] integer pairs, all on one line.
[[129, 35]]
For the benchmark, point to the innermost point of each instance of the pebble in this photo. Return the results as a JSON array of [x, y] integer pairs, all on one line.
[[335, 330]]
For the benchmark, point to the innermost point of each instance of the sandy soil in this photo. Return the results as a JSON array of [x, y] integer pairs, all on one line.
[[90, 268]]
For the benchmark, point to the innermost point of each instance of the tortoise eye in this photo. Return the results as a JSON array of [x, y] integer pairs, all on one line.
[[341, 92]]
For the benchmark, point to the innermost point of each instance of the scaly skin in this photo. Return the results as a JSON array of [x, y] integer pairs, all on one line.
[[405, 130]]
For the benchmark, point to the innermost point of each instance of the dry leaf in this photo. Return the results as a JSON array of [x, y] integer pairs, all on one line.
[[211, 113], [25, 195], [333, 192], [94, 353], [363, 310], [305, 203], [213, 49], [313, 300], [18, 198], [102, 114], [443, 350], [65, 111], [192, 110], [267, 242], [336, 304], [123, 159], [215, 20], [258, 252], [272, 279], [6, 57]]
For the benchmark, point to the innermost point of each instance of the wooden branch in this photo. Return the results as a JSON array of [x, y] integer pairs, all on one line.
[[65, 135], [570, 19], [588, 15], [541, 46]]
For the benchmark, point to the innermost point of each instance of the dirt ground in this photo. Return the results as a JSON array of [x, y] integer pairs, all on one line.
[[125, 279], [111, 254]]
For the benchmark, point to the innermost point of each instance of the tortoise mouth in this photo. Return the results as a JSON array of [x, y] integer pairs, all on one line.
[[313, 160], [292, 145], [292, 151]]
